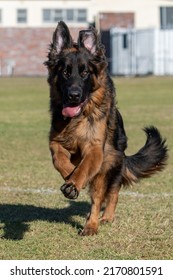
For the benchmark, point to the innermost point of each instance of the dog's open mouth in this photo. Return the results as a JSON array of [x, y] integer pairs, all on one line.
[[72, 111]]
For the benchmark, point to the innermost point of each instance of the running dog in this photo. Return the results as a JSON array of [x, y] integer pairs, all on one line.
[[87, 137]]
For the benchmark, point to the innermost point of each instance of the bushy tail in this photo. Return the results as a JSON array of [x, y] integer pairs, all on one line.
[[148, 160]]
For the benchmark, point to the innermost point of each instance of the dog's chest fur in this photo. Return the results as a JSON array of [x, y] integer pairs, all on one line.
[[81, 132]]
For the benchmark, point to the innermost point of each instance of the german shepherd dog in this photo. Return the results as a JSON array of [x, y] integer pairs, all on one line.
[[87, 138]]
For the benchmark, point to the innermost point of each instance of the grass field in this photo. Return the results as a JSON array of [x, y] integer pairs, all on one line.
[[37, 222]]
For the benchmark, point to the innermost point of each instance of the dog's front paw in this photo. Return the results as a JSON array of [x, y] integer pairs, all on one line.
[[69, 190], [88, 231]]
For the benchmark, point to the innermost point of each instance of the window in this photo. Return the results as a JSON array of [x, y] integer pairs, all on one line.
[[125, 41], [166, 17], [21, 15], [52, 15], [57, 15], [81, 15], [46, 15], [69, 15]]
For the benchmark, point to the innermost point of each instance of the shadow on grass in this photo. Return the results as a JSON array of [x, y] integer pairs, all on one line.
[[16, 217]]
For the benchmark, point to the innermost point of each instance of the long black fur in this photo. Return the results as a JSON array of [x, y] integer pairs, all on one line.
[[150, 158]]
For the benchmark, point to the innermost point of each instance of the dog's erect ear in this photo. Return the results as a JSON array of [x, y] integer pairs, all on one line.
[[88, 39], [62, 38]]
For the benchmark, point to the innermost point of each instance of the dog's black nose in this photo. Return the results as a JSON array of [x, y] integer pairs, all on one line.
[[74, 96]]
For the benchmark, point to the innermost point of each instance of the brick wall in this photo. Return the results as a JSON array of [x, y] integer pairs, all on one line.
[[23, 50], [109, 20]]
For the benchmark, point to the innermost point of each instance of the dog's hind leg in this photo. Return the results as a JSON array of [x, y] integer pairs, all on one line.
[[113, 181], [97, 192], [111, 202]]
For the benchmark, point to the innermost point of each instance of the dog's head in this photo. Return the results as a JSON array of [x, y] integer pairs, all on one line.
[[74, 68]]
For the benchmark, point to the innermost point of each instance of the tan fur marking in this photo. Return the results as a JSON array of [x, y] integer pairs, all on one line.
[[130, 176]]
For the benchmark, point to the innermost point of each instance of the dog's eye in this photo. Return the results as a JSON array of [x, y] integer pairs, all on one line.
[[65, 73], [84, 73]]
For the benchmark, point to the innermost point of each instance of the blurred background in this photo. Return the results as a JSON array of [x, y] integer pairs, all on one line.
[[137, 34]]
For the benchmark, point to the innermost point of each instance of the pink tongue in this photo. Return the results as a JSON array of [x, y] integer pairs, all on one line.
[[71, 111]]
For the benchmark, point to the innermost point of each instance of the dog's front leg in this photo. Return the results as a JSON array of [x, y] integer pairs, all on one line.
[[89, 166], [61, 159]]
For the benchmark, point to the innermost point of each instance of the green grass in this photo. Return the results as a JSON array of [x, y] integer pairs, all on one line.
[[37, 222]]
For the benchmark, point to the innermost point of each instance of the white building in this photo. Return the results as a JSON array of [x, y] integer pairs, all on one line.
[[26, 26], [36, 13]]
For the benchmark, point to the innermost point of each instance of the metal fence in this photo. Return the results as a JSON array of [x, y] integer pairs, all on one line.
[[141, 52]]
